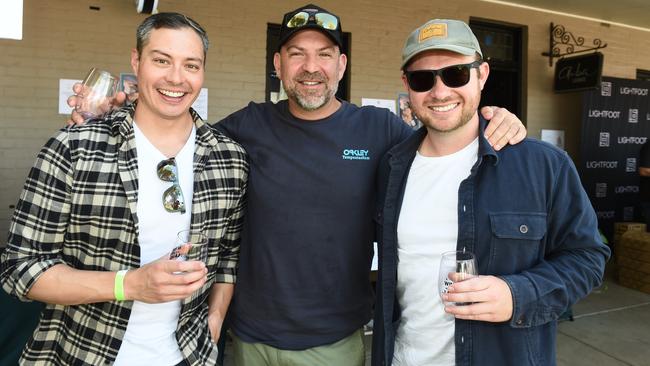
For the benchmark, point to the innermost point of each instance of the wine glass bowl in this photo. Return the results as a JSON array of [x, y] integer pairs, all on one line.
[[190, 246], [455, 266], [96, 90]]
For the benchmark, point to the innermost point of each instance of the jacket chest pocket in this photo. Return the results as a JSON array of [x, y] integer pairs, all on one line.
[[515, 243]]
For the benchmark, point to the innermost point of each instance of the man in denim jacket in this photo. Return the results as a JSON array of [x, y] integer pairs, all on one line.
[[521, 210]]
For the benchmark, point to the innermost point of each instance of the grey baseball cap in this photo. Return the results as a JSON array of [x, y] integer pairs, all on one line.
[[441, 34]]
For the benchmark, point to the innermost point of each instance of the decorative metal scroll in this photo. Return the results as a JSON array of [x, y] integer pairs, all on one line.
[[562, 43]]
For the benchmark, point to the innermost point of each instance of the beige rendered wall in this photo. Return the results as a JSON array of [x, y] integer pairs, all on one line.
[[63, 38]]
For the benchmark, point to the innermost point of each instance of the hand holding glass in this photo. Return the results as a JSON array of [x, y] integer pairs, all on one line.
[[190, 246], [96, 90], [455, 266]]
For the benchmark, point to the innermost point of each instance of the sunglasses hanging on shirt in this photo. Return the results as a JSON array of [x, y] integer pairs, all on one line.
[[172, 198]]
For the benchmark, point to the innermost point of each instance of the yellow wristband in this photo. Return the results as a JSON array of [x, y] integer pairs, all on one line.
[[119, 285]]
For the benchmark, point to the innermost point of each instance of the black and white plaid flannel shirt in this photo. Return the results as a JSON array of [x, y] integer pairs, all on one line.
[[78, 207]]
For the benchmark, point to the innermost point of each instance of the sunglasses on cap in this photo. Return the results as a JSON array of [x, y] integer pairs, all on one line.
[[172, 198], [304, 17], [453, 76]]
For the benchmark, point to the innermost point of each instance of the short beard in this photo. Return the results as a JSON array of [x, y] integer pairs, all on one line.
[[465, 117], [311, 102]]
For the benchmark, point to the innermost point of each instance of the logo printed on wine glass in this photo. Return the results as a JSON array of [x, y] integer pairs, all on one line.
[[180, 253], [446, 283]]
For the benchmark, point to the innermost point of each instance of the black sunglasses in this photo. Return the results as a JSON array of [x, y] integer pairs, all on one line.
[[172, 198], [453, 76], [307, 16]]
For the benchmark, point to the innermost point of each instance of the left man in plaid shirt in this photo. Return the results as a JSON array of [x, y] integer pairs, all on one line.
[[99, 213]]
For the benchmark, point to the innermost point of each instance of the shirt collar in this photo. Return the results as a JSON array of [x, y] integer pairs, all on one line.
[[121, 121], [485, 150], [406, 150]]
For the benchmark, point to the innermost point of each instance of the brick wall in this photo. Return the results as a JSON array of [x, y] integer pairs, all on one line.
[[63, 38]]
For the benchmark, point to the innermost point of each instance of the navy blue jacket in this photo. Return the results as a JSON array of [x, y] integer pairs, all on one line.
[[525, 215]]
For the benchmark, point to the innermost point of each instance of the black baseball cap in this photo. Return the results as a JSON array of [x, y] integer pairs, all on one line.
[[310, 17]]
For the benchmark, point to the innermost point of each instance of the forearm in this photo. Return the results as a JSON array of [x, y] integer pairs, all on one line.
[[219, 300], [65, 285]]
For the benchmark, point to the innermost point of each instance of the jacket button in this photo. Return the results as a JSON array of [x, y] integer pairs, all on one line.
[[523, 229]]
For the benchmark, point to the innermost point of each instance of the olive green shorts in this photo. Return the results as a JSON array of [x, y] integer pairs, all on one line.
[[349, 351]]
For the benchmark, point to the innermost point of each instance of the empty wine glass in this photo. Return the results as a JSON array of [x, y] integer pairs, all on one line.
[[96, 90], [456, 266]]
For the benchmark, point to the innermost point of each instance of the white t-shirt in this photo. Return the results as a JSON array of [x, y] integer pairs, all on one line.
[[150, 337], [428, 227]]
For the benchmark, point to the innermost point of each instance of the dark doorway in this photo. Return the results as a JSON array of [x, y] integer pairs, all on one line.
[[503, 47], [273, 82]]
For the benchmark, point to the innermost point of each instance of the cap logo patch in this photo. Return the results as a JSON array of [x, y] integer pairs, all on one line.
[[433, 30]]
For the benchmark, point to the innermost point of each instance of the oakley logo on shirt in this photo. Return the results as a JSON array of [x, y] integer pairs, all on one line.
[[355, 154]]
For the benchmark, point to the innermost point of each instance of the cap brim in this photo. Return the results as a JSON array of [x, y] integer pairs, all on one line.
[[467, 51]]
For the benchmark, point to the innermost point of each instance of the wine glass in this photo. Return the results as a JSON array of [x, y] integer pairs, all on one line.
[[96, 90], [456, 266], [190, 246]]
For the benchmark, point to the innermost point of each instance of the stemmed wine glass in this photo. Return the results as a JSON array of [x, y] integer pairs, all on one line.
[[96, 90], [456, 266]]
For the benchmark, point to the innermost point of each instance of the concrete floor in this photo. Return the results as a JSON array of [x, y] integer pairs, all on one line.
[[611, 327]]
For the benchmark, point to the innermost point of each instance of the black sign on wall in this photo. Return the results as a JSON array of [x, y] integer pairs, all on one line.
[[615, 123], [578, 73]]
